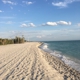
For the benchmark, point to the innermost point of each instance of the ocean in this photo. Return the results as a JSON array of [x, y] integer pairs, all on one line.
[[67, 51]]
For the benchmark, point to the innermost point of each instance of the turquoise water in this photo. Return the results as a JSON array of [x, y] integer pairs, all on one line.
[[69, 48], [68, 51]]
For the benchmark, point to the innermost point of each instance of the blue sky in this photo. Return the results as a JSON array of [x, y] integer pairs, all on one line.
[[40, 20]]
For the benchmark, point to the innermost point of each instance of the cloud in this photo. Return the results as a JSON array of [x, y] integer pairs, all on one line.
[[7, 17], [1, 11], [7, 22], [56, 23], [49, 24], [59, 4], [44, 35], [24, 25], [39, 36], [79, 24], [28, 25], [63, 23], [64, 3], [27, 2], [8, 2], [31, 24]]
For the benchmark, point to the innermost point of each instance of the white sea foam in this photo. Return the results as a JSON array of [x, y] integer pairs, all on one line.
[[45, 46], [67, 60]]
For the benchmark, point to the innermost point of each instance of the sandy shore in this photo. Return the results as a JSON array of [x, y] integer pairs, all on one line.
[[28, 62]]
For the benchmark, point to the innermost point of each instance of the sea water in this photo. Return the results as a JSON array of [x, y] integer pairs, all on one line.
[[67, 51]]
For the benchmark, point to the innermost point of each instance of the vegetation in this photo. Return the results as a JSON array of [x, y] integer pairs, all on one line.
[[12, 41]]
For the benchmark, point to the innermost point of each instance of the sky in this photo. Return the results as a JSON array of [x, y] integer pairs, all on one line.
[[40, 20]]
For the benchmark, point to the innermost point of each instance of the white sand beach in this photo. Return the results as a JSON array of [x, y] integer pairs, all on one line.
[[28, 62]]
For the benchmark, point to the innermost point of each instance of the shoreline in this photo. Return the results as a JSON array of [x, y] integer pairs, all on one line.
[[60, 65], [70, 61], [28, 62]]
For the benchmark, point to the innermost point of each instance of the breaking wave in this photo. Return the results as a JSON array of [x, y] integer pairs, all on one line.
[[74, 63]]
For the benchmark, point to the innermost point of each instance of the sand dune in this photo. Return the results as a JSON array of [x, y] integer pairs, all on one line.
[[27, 62]]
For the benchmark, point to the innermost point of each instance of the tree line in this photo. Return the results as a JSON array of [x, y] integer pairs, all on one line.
[[12, 41]]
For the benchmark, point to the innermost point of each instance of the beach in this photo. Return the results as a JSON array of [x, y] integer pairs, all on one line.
[[27, 61]]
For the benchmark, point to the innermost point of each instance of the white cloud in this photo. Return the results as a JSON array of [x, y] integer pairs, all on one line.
[[27, 21], [56, 23], [28, 25], [49, 24], [69, 23], [12, 31], [44, 35], [78, 24], [64, 3], [59, 4], [8, 2], [31, 24], [7, 22], [39, 36], [27, 2], [24, 25], [63, 23], [7, 17], [1, 11]]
